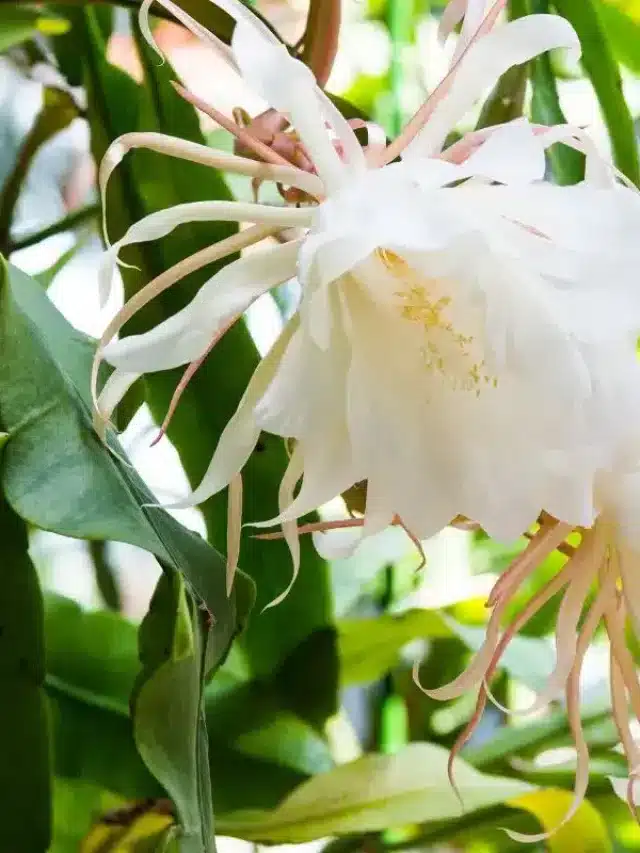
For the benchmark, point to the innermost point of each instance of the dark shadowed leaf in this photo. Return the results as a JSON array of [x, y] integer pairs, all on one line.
[[25, 771]]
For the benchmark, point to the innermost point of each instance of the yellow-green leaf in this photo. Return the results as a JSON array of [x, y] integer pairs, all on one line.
[[586, 831], [369, 648], [375, 793]]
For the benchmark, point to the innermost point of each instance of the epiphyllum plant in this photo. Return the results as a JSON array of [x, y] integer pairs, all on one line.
[[465, 337]]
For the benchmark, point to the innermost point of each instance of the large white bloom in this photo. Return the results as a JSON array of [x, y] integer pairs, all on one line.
[[458, 320]]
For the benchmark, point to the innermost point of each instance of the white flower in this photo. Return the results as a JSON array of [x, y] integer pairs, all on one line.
[[459, 315]]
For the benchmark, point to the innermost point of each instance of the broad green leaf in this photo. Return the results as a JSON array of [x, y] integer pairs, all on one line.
[[25, 768], [369, 648], [92, 665], [375, 793], [57, 474], [288, 741], [169, 725], [91, 652], [19, 23], [58, 111], [586, 831], [603, 71], [566, 164], [143, 183]]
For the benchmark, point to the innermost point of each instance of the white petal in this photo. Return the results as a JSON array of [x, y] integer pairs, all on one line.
[[186, 335], [474, 14], [328, 471], [512, 154], [308, 392], [289, 86], [202, 154], [620, 784], [240, 435], [290, 528], [513, 44], [241, 14], [396, 437], [109, 398], [453, 13], [163, 222]]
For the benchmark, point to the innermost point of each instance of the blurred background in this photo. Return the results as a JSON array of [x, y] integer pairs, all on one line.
[[386, 615]]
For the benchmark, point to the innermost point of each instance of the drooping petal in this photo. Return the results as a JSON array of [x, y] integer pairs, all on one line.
[[206, 256], [202, 154], [513, 44], [111, 395], [185, 336], [240, 435], [234, 529], [290, 528], [307, 400], [163, 222]]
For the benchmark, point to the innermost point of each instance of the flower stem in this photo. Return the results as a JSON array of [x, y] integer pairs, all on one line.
[[76, 217]]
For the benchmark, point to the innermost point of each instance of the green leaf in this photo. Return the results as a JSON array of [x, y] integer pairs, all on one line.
[[623, 31], [506, 101], [566, 164], [58, 475], [169, 726], [143, 183], [19, 23], [25, 771], [586, 831], [92, 665], [375, 793], [369, 648], [58, 111], [603, 71], [90, 653]]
